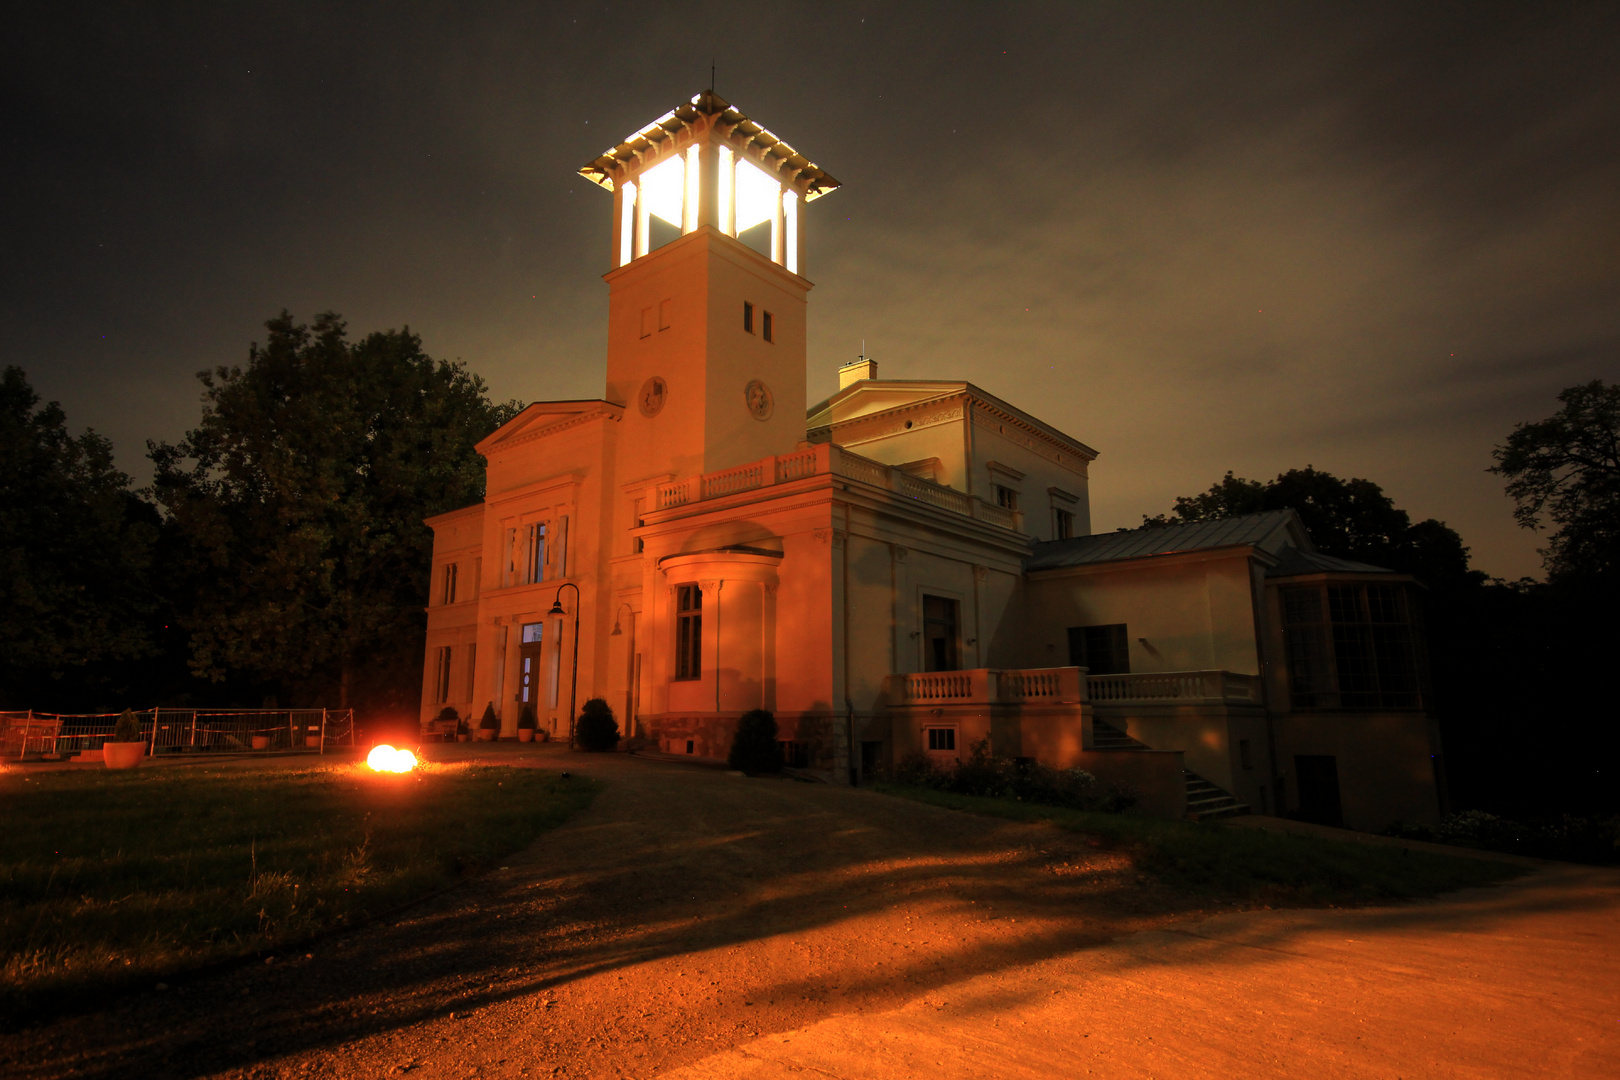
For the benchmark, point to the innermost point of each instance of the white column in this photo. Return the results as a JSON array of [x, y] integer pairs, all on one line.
[[726, 196], [692, 199], [626, 247], [641, 224], [776, 229], [790, 223]]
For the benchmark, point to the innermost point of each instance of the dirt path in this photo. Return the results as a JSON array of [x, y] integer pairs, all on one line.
[[697, 921]]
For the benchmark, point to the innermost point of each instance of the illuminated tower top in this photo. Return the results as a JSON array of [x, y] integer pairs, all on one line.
[[705, 163]]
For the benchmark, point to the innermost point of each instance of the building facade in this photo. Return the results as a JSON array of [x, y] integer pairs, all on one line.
[[907, 567]]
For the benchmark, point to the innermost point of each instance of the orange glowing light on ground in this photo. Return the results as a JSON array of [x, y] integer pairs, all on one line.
[[385, 758]]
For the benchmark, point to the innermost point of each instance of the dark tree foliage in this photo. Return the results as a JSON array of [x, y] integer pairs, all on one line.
[[596, 730], [300, 498], [754, 748], [1350, 519], [76, 604], [1566, 469]]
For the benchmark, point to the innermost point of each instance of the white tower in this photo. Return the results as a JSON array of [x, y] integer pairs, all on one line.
[[706, 305]]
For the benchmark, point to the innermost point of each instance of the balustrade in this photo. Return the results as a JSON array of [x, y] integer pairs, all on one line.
[[1221, 686]]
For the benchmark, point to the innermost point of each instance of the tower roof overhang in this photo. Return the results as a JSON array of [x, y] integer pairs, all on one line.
[[708, 112]]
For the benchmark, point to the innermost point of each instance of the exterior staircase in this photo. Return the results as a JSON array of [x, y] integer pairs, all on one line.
[[1205, 801]]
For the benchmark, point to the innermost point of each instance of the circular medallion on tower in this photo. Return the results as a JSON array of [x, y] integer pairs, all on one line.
[[760, 401], [654, 392]]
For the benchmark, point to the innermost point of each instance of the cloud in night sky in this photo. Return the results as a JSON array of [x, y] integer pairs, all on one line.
[[1250, 237]]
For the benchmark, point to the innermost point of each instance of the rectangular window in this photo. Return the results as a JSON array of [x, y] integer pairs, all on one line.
[[663, 314], [1245, 759], [940, 652], [688, 632], [1006, 497], [509, 559], [537, 553], [1062, 524], [447, 594], [646, 322], [1351, 647], [441, 676], [637, 508], [472, 669], [767, 327], [748, 317], [795, 755], [1103, 650], [942, 738]]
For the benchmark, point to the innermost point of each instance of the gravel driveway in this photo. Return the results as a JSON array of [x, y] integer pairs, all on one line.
[[727, 926]]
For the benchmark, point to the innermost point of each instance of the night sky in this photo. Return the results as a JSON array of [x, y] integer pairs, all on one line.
[[1198, 237]]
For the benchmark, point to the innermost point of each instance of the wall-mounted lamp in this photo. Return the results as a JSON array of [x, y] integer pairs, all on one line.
[[616, 632]]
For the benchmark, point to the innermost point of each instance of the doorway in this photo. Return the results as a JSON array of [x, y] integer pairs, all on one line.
[[529, 651], [1318, 778], [940, 651]]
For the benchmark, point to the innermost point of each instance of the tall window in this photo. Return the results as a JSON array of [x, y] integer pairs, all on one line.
[[447, 594], [1062, 523], [537, 552], [767, 326], [441, 680], [1006, 497], [688, 632], [1351, 647], [748, 317], [940, 634], [1105, 650]]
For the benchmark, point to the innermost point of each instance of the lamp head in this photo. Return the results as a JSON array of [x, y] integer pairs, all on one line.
[[556, 606]]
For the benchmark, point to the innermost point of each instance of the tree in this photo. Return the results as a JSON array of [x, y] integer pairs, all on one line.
[[301, 497], [75, 553], [1351, 519], [596, 729], [1566, 469], [754, 748]]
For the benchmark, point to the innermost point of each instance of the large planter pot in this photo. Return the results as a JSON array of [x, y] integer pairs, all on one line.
[[463, 738], [261, 742], [525, 734], [487, 734], [122, 755]]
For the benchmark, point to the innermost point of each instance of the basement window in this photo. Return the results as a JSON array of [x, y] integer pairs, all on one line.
[[941, 738]]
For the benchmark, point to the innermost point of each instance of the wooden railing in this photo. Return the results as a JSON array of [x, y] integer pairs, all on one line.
[[986, 686], [826, 458], [1166, 686]]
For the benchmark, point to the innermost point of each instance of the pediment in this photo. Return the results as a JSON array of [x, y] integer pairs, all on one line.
[[876, 395], [544, 417]]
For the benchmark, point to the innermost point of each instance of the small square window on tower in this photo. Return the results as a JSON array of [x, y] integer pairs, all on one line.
[[646, 322], [767, 329], [748, 317]]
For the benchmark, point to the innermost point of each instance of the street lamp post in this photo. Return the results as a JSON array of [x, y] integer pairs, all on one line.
[[573, 684]]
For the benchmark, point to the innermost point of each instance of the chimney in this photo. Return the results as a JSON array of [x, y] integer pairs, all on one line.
[[864, 367]]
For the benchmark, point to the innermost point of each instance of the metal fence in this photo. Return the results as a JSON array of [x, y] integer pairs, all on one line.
[[167, 731]]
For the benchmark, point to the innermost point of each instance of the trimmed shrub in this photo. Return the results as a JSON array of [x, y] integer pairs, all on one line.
[[754, 749], [984, 773], [527, 719], [448, 713], [596, 729], [489, 721], [127, 728]]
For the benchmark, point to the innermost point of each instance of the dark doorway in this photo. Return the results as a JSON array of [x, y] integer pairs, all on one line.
[[940, 634], [1318, 777], [529, 666], [871, 753]]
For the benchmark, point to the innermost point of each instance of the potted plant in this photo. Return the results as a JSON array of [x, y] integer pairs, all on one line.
[[126, 747], [488, 725], [462, 732], [526, 724], [597, 730]]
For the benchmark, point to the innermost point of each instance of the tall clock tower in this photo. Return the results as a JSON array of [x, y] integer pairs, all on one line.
[[706, 304]]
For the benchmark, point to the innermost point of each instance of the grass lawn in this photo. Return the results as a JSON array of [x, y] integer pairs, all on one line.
[[1247, 865], [110, 880]]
